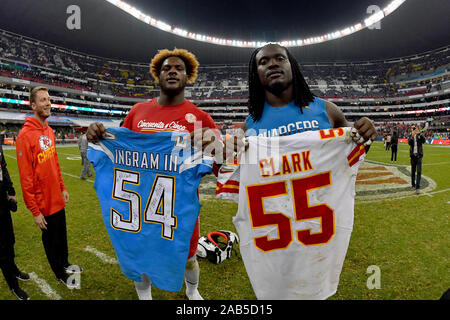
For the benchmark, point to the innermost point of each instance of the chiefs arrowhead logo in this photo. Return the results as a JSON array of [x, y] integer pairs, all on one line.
[[45, 142]]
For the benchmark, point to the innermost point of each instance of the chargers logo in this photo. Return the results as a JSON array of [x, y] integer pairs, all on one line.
[[109, 136]]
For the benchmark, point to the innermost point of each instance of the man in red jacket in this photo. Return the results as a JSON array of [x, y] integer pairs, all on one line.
[[43, 188]]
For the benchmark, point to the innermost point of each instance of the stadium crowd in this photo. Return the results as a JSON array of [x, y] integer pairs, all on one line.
[[22, 58], [394, 93]]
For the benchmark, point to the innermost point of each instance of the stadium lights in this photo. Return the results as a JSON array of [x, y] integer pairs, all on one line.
[[376, 17]]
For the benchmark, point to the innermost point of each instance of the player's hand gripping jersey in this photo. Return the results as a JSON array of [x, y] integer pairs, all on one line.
[[295, 214], [147, 188]]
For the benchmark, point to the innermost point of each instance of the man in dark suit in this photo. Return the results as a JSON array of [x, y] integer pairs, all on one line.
[[394, 146], [415, 141], [8, 203]]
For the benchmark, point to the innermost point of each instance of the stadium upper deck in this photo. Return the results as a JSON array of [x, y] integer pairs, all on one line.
[[409, 89]]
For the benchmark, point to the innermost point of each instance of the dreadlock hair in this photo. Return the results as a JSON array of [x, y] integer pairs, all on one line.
[[189, 59], [302, 94]]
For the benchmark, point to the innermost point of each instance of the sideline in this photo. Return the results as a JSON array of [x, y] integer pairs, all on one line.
[[44, 286], [101, 255], [429, 194], [62, 172]]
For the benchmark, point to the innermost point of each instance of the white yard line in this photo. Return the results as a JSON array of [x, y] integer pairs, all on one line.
[[429, 194], [434, 164], [10, 156], [74, 176], [62, 172], [69, 154], [102, 256], [445, 190], [44, 286]]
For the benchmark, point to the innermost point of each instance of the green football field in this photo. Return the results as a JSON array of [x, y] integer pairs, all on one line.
[[404, 237]]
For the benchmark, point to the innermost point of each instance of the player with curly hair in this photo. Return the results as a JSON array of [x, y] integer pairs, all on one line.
[[171, 111]]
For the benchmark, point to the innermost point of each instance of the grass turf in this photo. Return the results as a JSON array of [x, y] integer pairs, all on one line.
[[407, 238]]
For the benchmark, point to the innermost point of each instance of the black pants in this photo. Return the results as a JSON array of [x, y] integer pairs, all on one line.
[[55, 243], [416, 167], [7, 240], [394, 152]]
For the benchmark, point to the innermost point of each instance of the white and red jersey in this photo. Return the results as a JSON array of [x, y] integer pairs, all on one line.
[[295, 214], [227, 185]]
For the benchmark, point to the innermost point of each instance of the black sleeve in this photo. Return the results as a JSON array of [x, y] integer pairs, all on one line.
[[7, 182]]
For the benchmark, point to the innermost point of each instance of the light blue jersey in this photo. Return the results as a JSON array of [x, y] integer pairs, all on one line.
[[147, 188], [287, 120]]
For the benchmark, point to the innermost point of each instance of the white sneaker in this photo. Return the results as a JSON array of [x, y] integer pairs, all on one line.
[[194, 295]]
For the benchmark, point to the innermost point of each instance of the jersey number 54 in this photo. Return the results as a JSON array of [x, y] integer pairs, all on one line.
[[159, 208]]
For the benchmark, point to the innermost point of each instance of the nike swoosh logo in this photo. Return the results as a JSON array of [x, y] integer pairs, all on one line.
[[225, 171]]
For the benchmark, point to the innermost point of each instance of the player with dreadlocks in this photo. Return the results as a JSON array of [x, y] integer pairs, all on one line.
[[281, 103], [172, 70], [257, 97]]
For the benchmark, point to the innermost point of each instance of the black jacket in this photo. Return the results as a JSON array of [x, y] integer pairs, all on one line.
[[7, 238], [6, 185], [420, 141], [394, 139]]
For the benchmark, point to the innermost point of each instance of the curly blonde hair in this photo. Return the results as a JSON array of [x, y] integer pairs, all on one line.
[[189, 60]]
